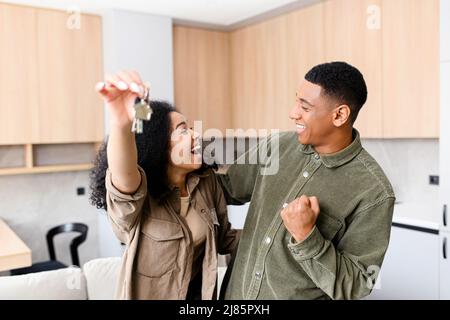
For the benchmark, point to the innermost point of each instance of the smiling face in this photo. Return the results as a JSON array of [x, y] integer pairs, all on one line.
[[312, 114], [185, 149]]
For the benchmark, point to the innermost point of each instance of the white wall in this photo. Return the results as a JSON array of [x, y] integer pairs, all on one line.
[[31, 204], [141, 42]]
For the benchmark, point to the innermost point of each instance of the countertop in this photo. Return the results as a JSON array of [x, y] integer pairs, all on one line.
[[418, 214]]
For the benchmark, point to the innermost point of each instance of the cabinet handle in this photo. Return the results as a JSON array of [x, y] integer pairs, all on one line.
[[444, 215], [444, 248]]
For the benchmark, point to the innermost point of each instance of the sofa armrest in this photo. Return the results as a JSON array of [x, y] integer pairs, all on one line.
[[101, 277]]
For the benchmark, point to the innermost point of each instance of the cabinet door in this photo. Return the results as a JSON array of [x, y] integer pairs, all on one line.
[[202, 77], [411, 267], [70, 63], [444, 266], [269, 60], [352, 35], [410, 31], [19, 94], [305, 49]]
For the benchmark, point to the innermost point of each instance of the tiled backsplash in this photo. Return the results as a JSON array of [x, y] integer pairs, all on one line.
[[408, 163]]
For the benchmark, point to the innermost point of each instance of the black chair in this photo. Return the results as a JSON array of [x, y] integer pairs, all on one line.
[[54, 264]]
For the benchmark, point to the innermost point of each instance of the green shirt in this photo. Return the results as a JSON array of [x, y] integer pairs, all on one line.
[[341, 257]]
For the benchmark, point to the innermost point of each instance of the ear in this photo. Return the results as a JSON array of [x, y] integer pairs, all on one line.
[[341, 115]]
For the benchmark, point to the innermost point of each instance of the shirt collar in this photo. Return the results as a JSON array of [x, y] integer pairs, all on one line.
[[192, 180], [340, 158]]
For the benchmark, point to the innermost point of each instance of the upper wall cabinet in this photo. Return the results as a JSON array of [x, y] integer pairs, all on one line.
[[19, 92], [202, 77], [394, 43], [48, 76], [353, 34], [70, 63], [410, 68], [268, 62]]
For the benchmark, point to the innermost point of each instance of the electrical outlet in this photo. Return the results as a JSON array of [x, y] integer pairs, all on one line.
[[434, 180], [80, 191]]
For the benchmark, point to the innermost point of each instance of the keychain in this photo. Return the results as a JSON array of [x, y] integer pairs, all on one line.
[[142, 111]]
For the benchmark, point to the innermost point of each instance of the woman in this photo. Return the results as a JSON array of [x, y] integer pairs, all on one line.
[[161, 201]]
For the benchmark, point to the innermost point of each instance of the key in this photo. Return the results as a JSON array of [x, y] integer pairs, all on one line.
[[142, 112]]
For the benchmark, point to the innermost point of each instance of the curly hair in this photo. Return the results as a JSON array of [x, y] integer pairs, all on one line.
[[153, 156], [343, 82]]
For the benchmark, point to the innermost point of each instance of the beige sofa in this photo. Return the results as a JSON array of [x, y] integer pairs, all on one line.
[[96, 280]]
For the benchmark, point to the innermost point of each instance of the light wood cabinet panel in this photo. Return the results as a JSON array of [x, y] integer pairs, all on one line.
[[246, 79], [399, 59], [348, 38], [19, 95], [202, 76], [268, 61], [70, 63], [260, 75], [410, 68], [305, 50]]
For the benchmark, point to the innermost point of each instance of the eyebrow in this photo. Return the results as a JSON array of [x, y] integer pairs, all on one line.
[[180, 124], [307, 102]]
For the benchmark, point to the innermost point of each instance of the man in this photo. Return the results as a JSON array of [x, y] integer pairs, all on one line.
[[320, 227]]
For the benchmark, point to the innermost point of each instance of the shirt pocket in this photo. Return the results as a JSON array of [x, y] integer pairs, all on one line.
[[158, 247], [328, 225]]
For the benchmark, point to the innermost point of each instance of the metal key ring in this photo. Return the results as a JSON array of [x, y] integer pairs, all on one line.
[[146, 95]]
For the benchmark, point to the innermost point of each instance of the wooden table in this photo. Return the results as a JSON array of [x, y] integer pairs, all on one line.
[[14, 253]]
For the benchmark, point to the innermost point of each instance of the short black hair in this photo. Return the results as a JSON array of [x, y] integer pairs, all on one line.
[[343, 82]]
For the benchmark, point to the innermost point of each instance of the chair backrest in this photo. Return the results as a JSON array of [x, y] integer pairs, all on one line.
[[68, 227]]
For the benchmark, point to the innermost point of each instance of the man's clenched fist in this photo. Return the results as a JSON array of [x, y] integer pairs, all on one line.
[[300, 216]]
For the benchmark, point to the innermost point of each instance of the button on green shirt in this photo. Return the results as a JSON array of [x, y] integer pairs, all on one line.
[[341, 257]]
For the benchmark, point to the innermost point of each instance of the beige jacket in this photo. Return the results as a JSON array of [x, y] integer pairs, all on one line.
[[157, 261]]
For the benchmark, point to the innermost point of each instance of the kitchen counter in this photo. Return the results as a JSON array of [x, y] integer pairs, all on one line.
[[418, 215]]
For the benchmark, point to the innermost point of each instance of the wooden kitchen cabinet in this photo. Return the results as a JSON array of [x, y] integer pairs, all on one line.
[[47, 86], [249, 96], [400, 62], [305, 49], [48, 75], [394, 43], [19, 92], [246, 79], [70, 64], [202, 76], [268, 62], [349, 38], [410, 32]]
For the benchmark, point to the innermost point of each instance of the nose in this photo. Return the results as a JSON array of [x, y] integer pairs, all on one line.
[[295, 113]]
